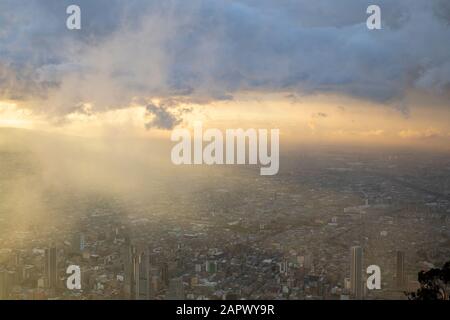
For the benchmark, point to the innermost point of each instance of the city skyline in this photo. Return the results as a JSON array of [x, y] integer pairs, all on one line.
[[224, 150]]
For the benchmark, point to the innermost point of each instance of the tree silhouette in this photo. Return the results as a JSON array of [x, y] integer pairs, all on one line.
[[434, 284]]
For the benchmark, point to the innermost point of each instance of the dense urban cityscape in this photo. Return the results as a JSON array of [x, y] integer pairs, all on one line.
[[194, 152], [228, 233]]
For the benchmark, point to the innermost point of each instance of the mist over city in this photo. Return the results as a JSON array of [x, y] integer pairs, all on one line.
[[96, 98]]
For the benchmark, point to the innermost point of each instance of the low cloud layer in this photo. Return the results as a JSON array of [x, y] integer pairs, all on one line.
[[203, 50]]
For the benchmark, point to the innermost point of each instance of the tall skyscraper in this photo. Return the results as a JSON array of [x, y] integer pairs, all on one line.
[[51, 267], [356, 283], [128, 259], [400, 275], [142, 276], [78, 242], [82, 242], [164, 273]]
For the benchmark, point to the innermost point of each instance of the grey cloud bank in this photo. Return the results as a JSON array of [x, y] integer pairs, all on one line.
[[209, 50]]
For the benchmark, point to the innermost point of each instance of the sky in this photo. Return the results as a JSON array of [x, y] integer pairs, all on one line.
[[310, 68]]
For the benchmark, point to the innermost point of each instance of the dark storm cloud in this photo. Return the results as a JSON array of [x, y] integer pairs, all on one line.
[[208, 50], [162, 117]]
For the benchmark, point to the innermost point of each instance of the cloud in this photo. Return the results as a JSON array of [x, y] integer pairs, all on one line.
[[162, 118], [378, 132], [166, 115], [204, 50], [320, 115], [420, 134], [312, 123], [354, 133]]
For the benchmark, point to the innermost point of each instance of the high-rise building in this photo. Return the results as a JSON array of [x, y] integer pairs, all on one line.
[[78, 242], [164, 273], [82, 242], [51, 267], [356, 281], [283, 267], [128, 254], [143, 288], [308, 261], [11, 278], [400, 275]]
